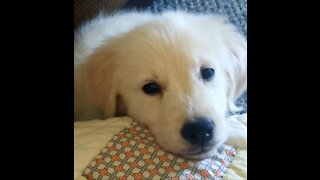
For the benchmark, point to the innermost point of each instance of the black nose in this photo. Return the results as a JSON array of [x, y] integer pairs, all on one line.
[[199, 131]]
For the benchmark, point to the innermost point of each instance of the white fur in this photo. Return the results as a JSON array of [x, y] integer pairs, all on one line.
[[115, 56]]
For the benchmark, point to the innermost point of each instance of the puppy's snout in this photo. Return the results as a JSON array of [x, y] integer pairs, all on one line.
[[198, 132]]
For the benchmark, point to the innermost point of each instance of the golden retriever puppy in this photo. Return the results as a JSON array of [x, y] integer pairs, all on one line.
[[175, 72]]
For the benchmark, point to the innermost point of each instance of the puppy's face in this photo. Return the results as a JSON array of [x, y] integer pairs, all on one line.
[[175, 81], [183, 103]]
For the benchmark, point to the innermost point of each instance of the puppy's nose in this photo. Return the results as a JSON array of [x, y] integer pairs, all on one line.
[[198, 132]]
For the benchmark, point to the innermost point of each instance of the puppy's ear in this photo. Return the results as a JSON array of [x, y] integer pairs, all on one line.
[[236, 66], [100, 84]]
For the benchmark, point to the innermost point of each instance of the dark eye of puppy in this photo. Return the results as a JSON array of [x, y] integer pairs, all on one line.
[[151, 88], [207, 73]]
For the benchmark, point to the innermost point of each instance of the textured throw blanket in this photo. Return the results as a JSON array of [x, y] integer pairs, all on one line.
[[119, 148], [133, 154]]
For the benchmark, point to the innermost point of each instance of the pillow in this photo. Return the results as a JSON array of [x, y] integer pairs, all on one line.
[[133, 154]]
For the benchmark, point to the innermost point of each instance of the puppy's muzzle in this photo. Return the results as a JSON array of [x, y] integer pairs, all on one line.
[[198, 132]]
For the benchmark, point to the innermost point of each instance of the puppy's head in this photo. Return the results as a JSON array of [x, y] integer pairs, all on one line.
[[178, 75]]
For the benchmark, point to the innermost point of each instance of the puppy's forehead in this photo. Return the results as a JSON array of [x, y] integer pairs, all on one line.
[[158, 48], [175, 43], [165, 52]]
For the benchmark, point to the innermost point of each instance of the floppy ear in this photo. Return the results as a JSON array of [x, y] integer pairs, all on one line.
[[100, 84], [236, 66]]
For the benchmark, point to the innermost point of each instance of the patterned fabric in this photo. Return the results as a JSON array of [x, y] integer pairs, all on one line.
[[134, 154]]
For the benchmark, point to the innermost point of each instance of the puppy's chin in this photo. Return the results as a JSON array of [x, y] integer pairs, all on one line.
[[200, 152], [195, 153]]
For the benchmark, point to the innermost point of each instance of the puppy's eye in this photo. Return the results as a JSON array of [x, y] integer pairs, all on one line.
[[207, 73], [151, 88]]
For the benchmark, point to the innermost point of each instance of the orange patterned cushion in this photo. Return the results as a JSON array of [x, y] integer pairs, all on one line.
[[134, 154]]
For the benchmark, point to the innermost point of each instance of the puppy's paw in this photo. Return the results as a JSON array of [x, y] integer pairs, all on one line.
[[239, 141], [242, 118], [237, 134]]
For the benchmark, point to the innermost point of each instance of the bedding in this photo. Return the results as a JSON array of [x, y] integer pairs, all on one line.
[[119, 147]]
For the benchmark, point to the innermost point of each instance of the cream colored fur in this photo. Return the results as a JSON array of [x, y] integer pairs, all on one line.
[[115, 56]]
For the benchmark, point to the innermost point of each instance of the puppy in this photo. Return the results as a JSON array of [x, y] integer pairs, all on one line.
[[175, 72]]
